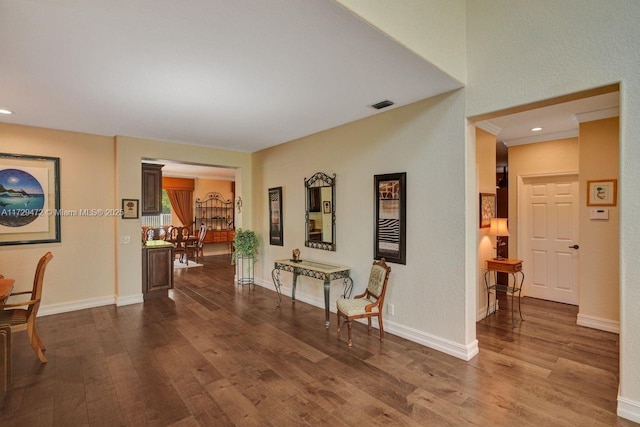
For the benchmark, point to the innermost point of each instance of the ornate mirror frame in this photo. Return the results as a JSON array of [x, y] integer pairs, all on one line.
[[326, 208]]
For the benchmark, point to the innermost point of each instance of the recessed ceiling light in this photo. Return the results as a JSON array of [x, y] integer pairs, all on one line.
[[4, 111], [536, 129]]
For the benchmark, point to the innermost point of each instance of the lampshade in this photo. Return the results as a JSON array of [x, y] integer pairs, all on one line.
[[499, 227]]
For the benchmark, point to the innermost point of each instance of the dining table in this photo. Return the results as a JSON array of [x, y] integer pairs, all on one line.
[[6, 286]]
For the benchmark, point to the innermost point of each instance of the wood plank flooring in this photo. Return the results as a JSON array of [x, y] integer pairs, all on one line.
[[215, 354]]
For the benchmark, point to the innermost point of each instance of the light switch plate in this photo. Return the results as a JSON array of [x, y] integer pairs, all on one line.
[[601, 213]]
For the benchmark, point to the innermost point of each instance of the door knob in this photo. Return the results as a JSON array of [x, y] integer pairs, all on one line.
[[574, 247]]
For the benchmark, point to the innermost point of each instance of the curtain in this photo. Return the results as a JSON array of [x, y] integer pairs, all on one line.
[[182, 205]]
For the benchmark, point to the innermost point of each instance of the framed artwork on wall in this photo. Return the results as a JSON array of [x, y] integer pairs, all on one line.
[[29, 199], [390, 224], [276, 237], [130, 209], [487, 209], [602, 192]]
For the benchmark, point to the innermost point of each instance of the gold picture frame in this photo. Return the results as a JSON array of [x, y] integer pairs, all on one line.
[[602, 192], [487, 209]]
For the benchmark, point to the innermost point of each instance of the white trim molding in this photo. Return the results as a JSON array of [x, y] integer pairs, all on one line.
[[598, 115], [451, 348], [47, 310], [128, 300], [489, 127], [628, 409], [598, 323], [573, 133]]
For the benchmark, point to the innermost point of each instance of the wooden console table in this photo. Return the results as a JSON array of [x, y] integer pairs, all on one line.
[[316, 270], [512, 267]]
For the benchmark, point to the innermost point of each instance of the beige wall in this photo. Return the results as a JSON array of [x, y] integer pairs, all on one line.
[[129, 154], [83, 265], [204, 186], [425, 140], [599, 242], [593, 155], [92, 265], [486, 172], [544, 158]]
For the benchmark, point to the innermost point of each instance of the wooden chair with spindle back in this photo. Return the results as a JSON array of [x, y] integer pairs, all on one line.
[[25, 318]]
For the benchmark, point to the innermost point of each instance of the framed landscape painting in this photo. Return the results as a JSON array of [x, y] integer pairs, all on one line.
[[29, 199]]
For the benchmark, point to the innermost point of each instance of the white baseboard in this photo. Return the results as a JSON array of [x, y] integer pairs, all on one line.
[[131, 299], [66, 307], [482, 312], [628, 409], [449, 347], [598, 323]]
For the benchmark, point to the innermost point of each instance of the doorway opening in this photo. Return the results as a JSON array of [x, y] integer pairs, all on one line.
[[579, 135]]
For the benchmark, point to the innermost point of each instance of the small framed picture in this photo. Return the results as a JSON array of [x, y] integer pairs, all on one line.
[[130, 209], [602, 192], [487, 209], [326, 206], [390, 221]]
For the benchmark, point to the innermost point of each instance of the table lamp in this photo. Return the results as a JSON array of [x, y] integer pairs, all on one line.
[[499, 229]]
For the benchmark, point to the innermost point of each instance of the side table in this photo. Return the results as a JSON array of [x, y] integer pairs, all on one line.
[[513, 267]]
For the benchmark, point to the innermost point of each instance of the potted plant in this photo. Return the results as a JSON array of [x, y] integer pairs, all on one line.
[[245, 244]]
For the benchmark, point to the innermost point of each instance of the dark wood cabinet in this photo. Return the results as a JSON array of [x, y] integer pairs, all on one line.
[[151, 189], [157, 268]]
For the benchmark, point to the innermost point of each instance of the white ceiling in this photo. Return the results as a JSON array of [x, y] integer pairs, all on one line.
[[189, 170], [557, 121], [241, 75]]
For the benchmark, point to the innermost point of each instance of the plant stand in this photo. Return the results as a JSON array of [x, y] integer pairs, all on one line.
[[244, 270]]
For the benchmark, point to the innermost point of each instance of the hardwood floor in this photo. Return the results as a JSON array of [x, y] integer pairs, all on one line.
[[218, 354]]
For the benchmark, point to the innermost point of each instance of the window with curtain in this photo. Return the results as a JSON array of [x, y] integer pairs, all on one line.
[[180, 194]]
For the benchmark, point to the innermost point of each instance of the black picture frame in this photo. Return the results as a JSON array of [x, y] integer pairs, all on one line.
[[29, 199], [390, 222], [130, 209], [276, 234]]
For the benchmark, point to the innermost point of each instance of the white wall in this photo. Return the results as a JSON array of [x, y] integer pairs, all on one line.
[[434, 29], [424, 139], [521, 52]]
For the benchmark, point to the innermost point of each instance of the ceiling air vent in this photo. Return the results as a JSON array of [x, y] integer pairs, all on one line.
[[382, 104]]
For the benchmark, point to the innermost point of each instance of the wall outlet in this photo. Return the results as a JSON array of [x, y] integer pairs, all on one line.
[[125, 240], [390, 309]]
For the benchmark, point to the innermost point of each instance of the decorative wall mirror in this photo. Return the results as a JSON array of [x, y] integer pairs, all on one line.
[[320, 217]]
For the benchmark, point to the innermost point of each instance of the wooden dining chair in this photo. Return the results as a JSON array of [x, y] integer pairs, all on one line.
[[25, 318], [369, 304], [202, 234]]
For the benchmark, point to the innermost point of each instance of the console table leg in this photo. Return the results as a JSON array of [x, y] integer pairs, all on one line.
[[275, 275], [326, 301], [293, 290]]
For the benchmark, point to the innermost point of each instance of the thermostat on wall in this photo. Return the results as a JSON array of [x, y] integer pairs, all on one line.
[[599, 214]]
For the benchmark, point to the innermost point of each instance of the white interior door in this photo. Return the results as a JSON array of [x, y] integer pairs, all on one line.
[[548, 236]]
